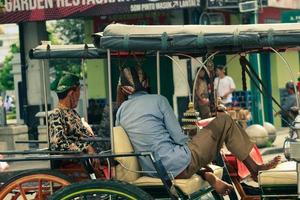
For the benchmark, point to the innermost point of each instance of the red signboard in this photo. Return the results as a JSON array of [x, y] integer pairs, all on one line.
[[38, 10]]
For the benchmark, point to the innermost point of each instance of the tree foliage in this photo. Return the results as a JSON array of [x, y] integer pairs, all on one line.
[[71, 31], [67, 31], [6, 77]]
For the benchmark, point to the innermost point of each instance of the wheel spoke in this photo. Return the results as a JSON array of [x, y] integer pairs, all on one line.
[[40, 189], [33, 185], [22, 192]]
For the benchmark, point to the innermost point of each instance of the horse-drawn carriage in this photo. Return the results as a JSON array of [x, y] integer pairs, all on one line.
[[185, 41]]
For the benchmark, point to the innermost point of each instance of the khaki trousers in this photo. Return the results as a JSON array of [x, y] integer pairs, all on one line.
[[208, 141]]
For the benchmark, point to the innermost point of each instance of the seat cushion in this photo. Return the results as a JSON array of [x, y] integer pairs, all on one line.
[[122, 144], [284, 174], [187, 186]]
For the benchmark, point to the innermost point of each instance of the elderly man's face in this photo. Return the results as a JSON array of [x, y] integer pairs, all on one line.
[[74, 96]]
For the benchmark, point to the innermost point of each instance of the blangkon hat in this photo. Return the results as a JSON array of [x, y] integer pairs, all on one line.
[[66, 82]]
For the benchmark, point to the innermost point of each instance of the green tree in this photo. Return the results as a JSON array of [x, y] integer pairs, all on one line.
[[71, 31], [67, 31], [6, 77]]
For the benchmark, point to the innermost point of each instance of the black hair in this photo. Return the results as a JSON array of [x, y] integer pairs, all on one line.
[[63, 95]]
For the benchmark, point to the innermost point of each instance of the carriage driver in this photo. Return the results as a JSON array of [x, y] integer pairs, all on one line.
[[66, 128], [152, 126]]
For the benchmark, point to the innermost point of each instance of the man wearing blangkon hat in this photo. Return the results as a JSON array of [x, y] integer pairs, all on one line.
[[66, 129], [151, 125]]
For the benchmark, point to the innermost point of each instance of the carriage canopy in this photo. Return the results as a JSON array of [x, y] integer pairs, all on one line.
[[198, 38]]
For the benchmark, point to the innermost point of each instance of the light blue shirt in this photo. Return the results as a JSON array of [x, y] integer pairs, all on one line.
[[289, 102], [152, 126]]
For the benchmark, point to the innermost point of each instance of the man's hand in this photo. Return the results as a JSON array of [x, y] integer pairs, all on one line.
[[225, 96], [87, 126], [276, 114], [95, 161]]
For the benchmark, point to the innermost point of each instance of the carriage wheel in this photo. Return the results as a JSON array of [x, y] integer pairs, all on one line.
[[34, 184], [103, 190]]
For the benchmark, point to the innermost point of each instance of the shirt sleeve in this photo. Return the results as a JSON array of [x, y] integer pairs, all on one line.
[[81, 132], [232, 85], [288, 103], [171, 123]]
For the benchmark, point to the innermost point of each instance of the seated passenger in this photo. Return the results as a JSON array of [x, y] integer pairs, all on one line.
[[66, 129], [289, 106], [151, 125]]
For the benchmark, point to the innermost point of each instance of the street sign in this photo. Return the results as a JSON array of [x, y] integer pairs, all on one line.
[[15, 11], [290, 16], [230, 4], [215, 4], [248, 6]]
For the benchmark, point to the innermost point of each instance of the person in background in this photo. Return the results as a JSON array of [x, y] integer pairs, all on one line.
[[151, 125], [201, 95], [298, 84], [210, 86], [289, 106], [224, 86], [8, 103], [66, 128]]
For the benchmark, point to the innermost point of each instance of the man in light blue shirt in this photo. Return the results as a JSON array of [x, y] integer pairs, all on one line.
[[155, 119], [152, 126]]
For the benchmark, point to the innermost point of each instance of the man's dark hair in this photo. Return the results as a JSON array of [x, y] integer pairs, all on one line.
[[290, 85], [63, 95]]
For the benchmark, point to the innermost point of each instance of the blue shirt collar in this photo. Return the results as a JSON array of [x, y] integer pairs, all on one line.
[[137, 94]]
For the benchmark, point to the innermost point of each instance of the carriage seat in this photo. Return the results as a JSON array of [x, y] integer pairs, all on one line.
[[126, 170], [283, 175]]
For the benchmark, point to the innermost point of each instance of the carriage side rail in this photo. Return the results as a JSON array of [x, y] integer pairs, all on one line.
[[67, 155]]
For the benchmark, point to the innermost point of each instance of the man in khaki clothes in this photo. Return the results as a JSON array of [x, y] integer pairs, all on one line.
[[152, 126]]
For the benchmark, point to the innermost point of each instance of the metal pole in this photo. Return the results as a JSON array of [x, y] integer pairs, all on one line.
[[298, 179], [23, 103], [45, 100], [257, 103], [184, 77], [110, 98], [259, 72], [84, 91], [158, 71]]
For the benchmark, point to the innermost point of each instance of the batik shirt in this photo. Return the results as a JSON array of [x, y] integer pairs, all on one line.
[[66, 130]]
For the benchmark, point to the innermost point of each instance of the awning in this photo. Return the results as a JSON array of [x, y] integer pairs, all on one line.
[[199, 38], [77, 51], [15, 11], [87, 51]]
